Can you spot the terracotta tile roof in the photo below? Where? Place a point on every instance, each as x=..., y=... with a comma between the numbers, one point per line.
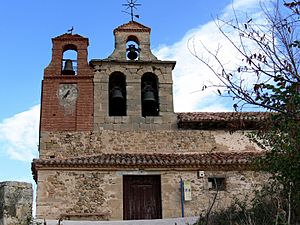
x=69, y=36
x=230, y=120
x=201, y=160
x=73, y=37
x=132, y=26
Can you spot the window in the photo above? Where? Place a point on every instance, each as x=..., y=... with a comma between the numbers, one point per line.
x=69, y=61
x=117, y=94
x=216, y=183
x=132, y=48
x=149, y=95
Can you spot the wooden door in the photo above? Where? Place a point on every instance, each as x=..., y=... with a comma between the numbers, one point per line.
x=141, y=197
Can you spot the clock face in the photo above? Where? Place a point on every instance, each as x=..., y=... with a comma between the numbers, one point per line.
x=67, y=94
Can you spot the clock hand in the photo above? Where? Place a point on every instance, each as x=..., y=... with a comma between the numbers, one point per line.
x=66, y=95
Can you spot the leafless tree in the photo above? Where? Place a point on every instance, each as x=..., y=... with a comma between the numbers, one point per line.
x=268, y=73
x=268, y=77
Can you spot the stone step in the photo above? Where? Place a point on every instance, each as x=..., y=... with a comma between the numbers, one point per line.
x=172, y=221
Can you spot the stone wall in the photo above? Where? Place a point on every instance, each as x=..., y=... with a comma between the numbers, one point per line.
x=15, y=202
x=133, y=71
x=95, y=193
x=78, y=144
x=100, y=193
x=239, y=184
x=140, y=32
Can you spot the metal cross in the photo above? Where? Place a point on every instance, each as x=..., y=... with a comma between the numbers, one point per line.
x=132, y=5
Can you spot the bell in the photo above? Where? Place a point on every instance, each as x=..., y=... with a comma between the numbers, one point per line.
x=117, y=94
x=132, y=52
x=68, y=68
x=149, y=97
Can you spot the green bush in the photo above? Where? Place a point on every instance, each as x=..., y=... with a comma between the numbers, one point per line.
x=269, y=207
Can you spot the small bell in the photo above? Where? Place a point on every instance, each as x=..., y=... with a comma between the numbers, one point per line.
x=132, y=52
x=68, y=68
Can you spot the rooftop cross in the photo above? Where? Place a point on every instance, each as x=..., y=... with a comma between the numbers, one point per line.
x=132, y=5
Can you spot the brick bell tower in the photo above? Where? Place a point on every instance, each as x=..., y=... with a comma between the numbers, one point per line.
x=67, y=87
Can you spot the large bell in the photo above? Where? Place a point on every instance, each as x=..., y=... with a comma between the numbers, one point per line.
x=116, y=94
x=132, y=52
x=68, y=68
x=149, y=95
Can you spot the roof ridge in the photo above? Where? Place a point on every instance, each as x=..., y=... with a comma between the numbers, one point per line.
x=217, y=160
x=67, y=35
x=215, y=153
x=132, y=25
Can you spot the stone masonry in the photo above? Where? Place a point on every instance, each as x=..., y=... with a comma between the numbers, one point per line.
x=15, y=203
x=133, y=121
x=92, y=163
x=99, y=194
x=74, y=144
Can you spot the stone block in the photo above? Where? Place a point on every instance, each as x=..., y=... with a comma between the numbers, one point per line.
x=109, y=119
x=145, y=126
x=149, y=119
x=157, y=120
x=15, y=202
x=125, y=119
x=117, y=119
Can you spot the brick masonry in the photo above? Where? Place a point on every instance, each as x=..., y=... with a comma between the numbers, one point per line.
x=56, y=116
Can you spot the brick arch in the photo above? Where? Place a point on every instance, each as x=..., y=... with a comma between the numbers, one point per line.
x=64, y=43
x=67, y=47
x=69, y=59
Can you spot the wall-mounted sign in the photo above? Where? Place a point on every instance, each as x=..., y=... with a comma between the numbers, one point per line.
x=187, y=191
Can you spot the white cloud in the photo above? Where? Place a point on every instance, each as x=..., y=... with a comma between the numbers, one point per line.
x=19, y=134
x=190, y=74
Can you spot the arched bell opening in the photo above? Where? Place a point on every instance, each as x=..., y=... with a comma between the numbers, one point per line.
x=149, y=95
x=117, y=94
x=69, y=60
x=132, y=48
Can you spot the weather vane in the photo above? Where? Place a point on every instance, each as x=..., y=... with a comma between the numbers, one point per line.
x=70, y=31
x=132, y=5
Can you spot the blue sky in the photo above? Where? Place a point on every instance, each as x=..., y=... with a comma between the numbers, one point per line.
x=25, y=50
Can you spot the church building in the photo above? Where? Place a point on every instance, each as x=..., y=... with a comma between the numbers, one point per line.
x=111, y=146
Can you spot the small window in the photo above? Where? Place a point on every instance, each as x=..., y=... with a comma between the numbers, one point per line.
x=149, y=95
x=216, y=183
x=132, y=48
x=69, y=61
x=117, y=94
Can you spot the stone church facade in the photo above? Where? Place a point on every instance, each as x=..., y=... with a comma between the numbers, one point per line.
x=112, y=147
